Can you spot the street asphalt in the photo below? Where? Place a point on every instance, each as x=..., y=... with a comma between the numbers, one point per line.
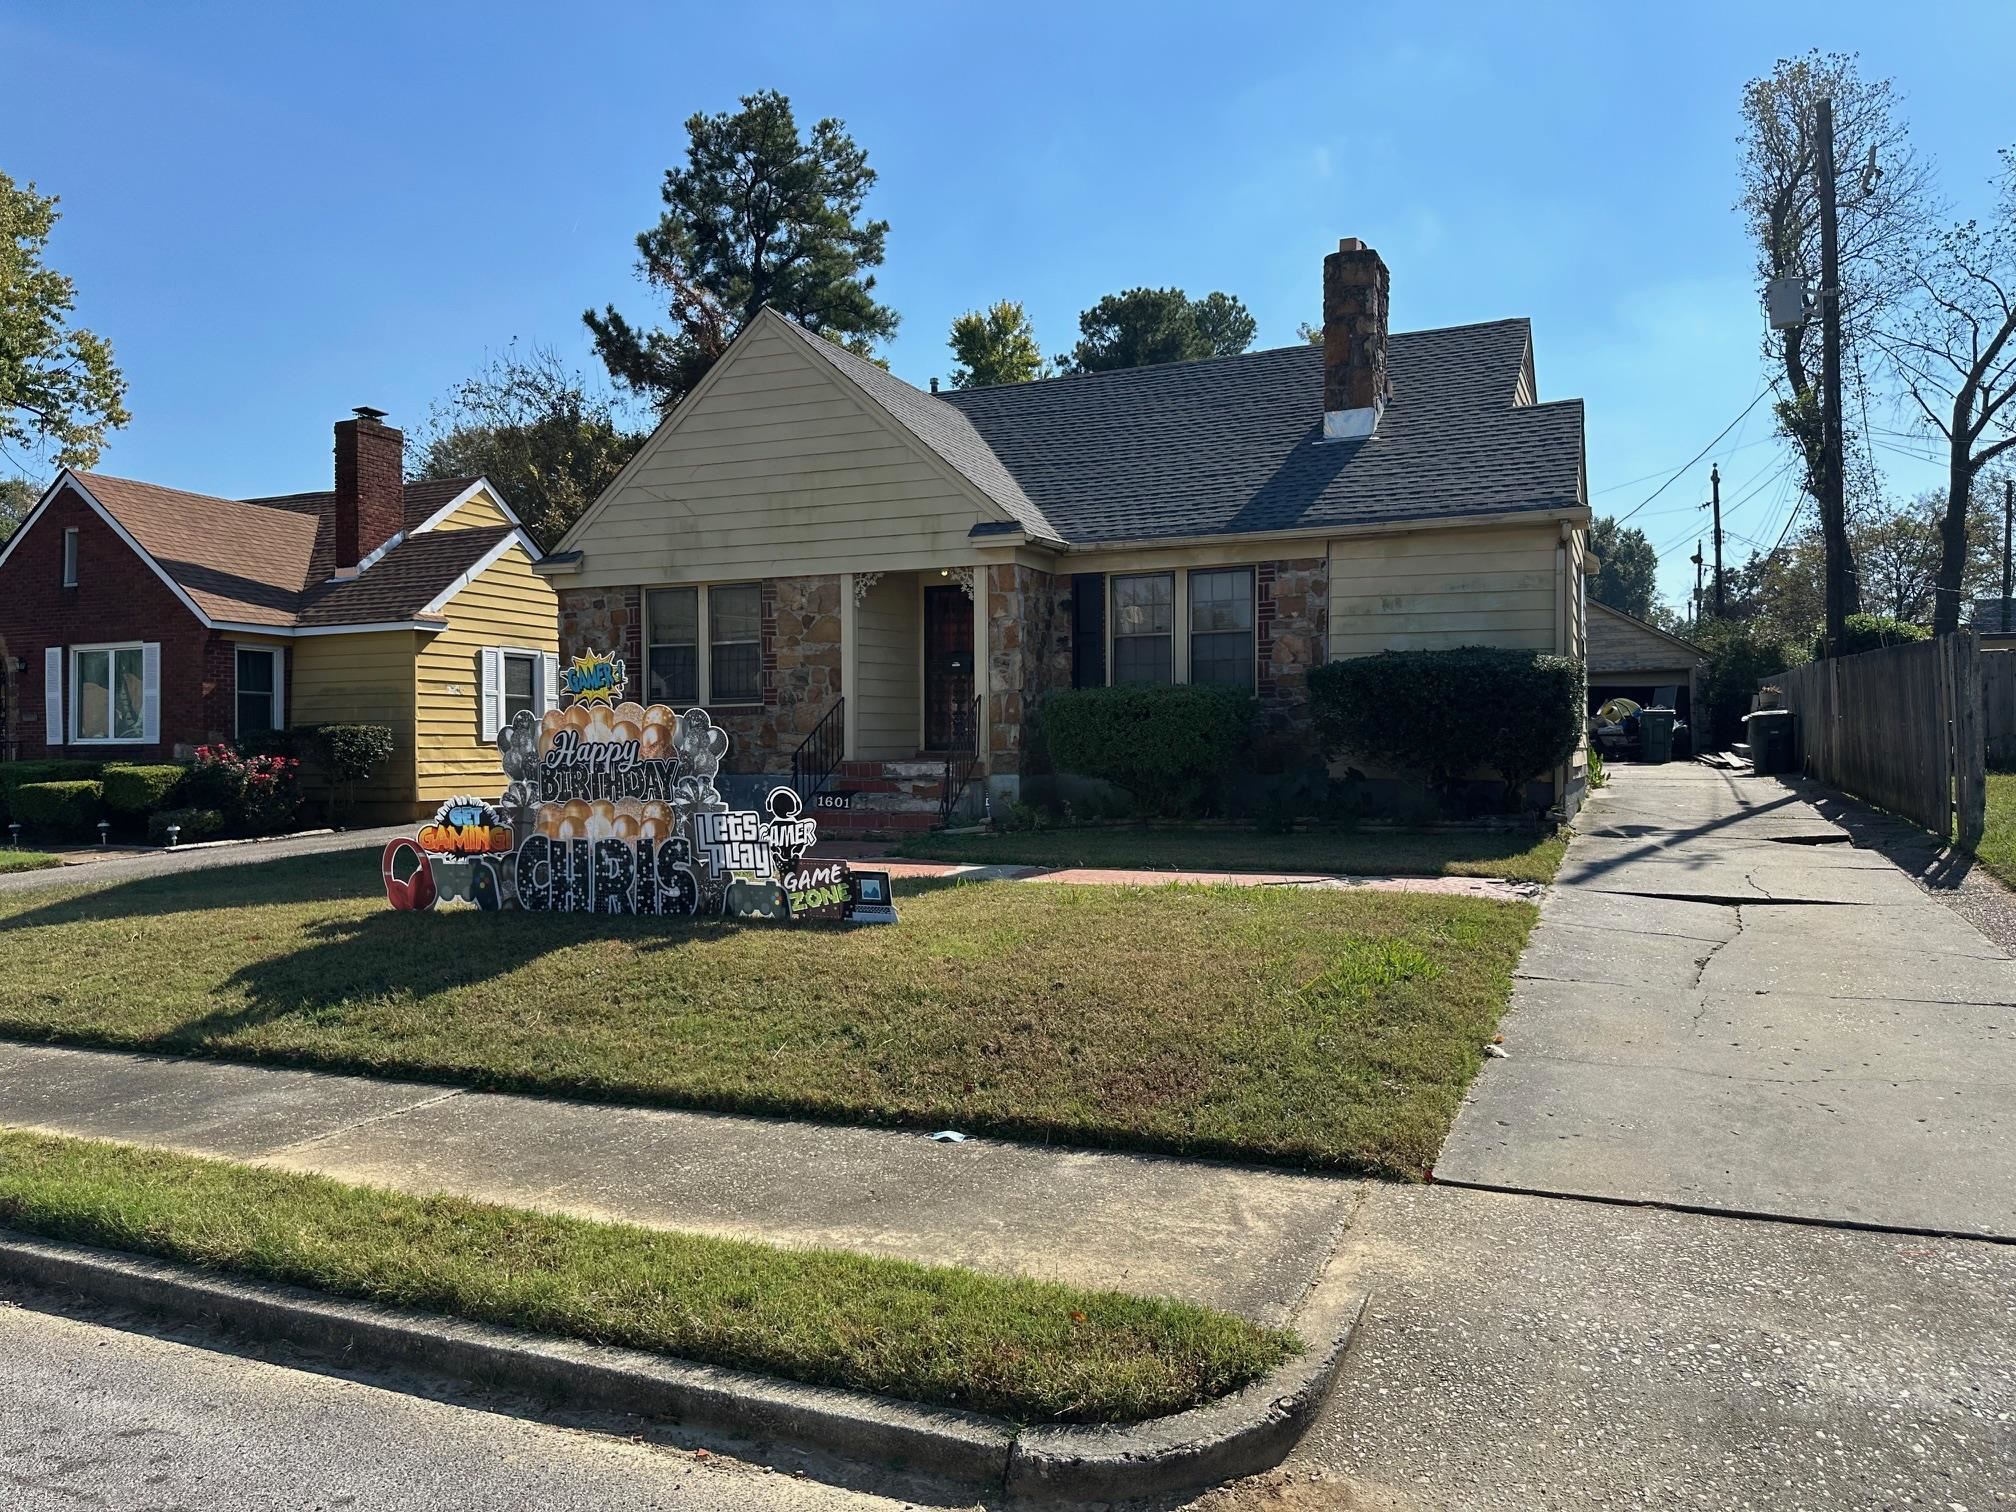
x=1727, y=1005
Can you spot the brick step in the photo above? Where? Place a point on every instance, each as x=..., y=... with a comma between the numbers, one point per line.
x=835, y=823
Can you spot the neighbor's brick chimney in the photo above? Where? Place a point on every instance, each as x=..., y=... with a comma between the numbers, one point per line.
x=1355, y=287
x=370, y=486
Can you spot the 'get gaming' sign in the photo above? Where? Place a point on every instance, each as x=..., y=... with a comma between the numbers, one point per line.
x=611, y=807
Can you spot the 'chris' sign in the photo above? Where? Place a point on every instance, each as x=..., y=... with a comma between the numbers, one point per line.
x=611, y=807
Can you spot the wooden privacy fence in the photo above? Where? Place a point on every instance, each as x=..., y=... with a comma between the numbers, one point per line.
x=1998, y=704
x=1901, y=727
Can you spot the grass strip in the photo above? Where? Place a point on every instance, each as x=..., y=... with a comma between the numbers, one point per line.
x=1323, y=1028
x=20, y=861
x=1997, y=850
x=1513, y=855
x=1031, y=1351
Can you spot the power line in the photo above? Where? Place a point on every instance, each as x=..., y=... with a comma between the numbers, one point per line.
x=1662, y=471
x=1696, y=457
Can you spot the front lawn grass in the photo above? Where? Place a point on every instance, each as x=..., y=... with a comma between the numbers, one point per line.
x=1327, y=1028
x=22, y=860
x=1514, y=855
x=1997, y=850
x=1033, y=1351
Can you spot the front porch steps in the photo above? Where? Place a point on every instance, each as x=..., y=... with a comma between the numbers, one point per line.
x=899, y=796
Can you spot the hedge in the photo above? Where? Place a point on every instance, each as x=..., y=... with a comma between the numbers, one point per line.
x=1871, y=632
x=62, y=808
x=195, y=824
x=1169, y=747
x=18, y=774
x=137, y=790
x=1446, y=713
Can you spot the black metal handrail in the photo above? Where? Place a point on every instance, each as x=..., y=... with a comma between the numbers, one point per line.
x=963, y=757
x=819, y=755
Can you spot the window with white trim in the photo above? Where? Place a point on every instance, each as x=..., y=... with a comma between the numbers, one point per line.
x=521, y=685
x=672, y=645
x=108, y=693
x=70, y=556
x=1144, y=626
x=734, y=643
x=258, y=695
x=1221, y=627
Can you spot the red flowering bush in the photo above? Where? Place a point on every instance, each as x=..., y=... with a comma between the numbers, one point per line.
x=258, y=795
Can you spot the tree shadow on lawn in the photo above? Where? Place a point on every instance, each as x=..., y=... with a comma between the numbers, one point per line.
x=340, y=876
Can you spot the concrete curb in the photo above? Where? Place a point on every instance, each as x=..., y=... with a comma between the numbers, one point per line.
x=1245, y=1433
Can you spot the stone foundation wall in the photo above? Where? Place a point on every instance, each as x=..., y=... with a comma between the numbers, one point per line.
x=1022, y=656
x=801, y=661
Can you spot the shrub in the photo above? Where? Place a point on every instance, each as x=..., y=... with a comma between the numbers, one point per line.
x=1740, y=658
x=1168, y=747
x=1871, y=632
x=258, y=795
x=1446, y=713
x=350, y=754
x=59, y=808
x=136, y=790
x=17, y=774
x=194, y=823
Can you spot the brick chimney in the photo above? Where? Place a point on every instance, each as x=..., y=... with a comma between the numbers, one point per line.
x=1355, y=287
x=370, y=487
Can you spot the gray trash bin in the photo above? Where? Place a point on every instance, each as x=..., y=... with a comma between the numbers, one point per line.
x=1771, y=744
x=1655, y=735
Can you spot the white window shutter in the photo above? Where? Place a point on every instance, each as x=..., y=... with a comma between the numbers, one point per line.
x=52, y=696
x=279, y=688
x=492, y=691
x=150, y=691
x=549, y=681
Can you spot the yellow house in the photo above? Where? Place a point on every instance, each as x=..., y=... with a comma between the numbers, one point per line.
x=139, y=622
x=873, y=588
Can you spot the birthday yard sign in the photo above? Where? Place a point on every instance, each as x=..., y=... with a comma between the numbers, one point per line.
x=611, y=807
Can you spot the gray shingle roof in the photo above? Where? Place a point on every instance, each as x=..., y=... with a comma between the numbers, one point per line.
x=1230, y=444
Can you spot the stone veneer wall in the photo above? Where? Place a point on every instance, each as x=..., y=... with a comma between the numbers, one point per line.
x=1022, y=652
x=801, y=661
x=1291, y=613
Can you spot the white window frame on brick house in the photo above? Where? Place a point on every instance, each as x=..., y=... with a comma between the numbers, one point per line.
x=70, y=537
x=1178, y=660
x=1251, y=630
x=704, y=643
x=149, y=653
x=278, y=695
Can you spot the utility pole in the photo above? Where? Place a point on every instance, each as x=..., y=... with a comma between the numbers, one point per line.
x=1696, y=559
x=1715, y=483
x=2008, y=519
x=1833, y=505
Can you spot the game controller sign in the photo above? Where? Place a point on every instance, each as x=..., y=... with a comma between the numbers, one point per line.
x=611, y=807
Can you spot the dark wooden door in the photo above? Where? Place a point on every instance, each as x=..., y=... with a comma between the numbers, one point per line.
x=948, y=669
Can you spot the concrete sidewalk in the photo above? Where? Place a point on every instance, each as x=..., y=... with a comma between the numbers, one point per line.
x=131, y=866
x=1728, y=1006
x=1252, y=1241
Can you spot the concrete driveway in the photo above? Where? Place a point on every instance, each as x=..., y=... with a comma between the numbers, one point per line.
x=1729, y=1006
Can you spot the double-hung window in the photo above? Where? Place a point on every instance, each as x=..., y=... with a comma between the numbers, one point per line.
x=672, y=655
x=521, y=684
x=108, y=693
x=258, y=689
x=1144, y=626
x=734, y=644
x=1221, y=627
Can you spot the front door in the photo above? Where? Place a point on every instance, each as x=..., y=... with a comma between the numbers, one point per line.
x=948, y=669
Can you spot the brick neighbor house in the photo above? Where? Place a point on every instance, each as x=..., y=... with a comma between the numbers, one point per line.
x=831, y=560
x=138, y=622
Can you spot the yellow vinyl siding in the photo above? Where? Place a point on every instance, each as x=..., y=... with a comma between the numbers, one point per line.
x=473, y=513
x=1493, y=586
x=888, y=659
x=508, y=605
x=776, y=467
x=361, y=679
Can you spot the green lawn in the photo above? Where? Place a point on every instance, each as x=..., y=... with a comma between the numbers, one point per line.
x=1027, y=1350
x=1997, y=850
x=25, y=860
x=1327, y=1028
x=1518, y=856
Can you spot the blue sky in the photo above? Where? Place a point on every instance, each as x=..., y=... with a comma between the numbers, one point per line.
x=278, y=211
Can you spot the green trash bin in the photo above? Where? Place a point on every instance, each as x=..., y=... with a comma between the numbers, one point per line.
x=1771, y=747
x=1655, y=735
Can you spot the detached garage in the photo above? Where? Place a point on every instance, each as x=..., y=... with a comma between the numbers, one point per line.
x=1634, y=660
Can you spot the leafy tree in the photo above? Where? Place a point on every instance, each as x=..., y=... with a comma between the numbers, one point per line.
x=1144, y=326
x=532, y=427
x=1954, y=350
x=1883, y=191
x=17, y=497
x=996, y=345
x=759, y=215
x=59, y=389
x=1627, y=570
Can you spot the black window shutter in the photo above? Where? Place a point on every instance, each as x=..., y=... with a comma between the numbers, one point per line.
x=1088, y=629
